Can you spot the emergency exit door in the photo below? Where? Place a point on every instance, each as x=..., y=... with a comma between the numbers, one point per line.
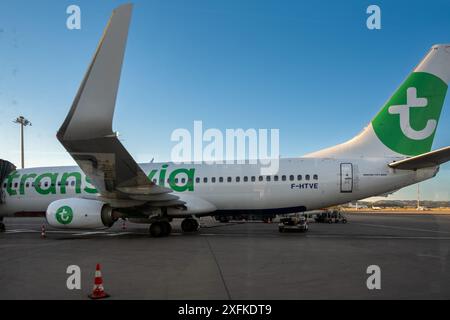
x=346, y=177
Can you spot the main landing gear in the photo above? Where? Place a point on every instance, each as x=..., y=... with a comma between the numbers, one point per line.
x=162, y=228
x=190, y=225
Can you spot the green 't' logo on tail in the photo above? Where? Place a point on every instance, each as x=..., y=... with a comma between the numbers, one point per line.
x=64, y=215
x=407, y=122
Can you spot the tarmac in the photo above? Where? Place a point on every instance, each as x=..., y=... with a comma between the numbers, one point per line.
x=233, y=260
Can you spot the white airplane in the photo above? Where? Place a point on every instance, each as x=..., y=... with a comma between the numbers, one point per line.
x=392, y=152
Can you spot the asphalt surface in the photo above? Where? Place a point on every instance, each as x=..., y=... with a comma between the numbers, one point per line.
x=233, y=261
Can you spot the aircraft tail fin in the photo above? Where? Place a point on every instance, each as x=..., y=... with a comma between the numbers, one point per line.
x=406, y=124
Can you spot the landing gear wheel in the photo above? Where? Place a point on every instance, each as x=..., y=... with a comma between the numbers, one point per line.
x=160, y=229
x=156, y=229
x=167, y=228
x=2, y=227
x=189, y=225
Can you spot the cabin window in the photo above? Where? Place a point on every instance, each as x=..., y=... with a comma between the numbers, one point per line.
x=229, y=179
x=197, y=180
x=72, y=183
x=15, y=185
x=253, y=178
x=213, y=179
x=283, y=178
x=316, y=177
x=238, y=179
x=245, y=179
x=307, y=177
x=221, y=179
x=299, y=177
x=261, y=178
x=183, y=180
x=27, y=184
x=205, y=180
x=291, y=177
x=4, y=185
x=268, y=178
x=154, y=181
x=59, y=183
x=275, y=178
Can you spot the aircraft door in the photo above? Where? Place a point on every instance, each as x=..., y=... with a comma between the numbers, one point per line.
x=346, y=177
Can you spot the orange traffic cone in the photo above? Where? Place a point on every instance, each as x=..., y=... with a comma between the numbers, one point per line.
x=98, y=291
x=43, y=232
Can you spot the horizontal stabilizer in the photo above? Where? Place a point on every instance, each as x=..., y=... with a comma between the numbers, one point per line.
x=429, y=159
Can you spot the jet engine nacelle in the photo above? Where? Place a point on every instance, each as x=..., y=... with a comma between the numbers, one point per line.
x=78, y=213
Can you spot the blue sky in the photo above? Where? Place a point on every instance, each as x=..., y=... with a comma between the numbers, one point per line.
x=311, y=69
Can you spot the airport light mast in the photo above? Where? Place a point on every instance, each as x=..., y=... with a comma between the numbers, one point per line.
x=23, y=123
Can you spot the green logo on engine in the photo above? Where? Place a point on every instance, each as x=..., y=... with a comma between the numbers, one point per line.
x=407, y=123
x=64, y=215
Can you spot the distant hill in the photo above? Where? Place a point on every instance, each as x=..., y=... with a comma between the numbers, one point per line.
x=405, y=204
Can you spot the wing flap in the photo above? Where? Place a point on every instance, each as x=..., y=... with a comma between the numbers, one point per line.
x=159, y=197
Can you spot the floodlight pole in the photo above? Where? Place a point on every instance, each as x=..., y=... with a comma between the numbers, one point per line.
x=23, y=123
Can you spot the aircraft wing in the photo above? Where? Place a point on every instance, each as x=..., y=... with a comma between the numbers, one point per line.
x=429, y=159
x=87, y=130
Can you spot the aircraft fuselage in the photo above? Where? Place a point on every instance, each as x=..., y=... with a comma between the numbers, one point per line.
x=300, y=184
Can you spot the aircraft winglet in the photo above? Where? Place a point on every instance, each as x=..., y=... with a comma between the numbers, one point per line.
x=92, y=111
